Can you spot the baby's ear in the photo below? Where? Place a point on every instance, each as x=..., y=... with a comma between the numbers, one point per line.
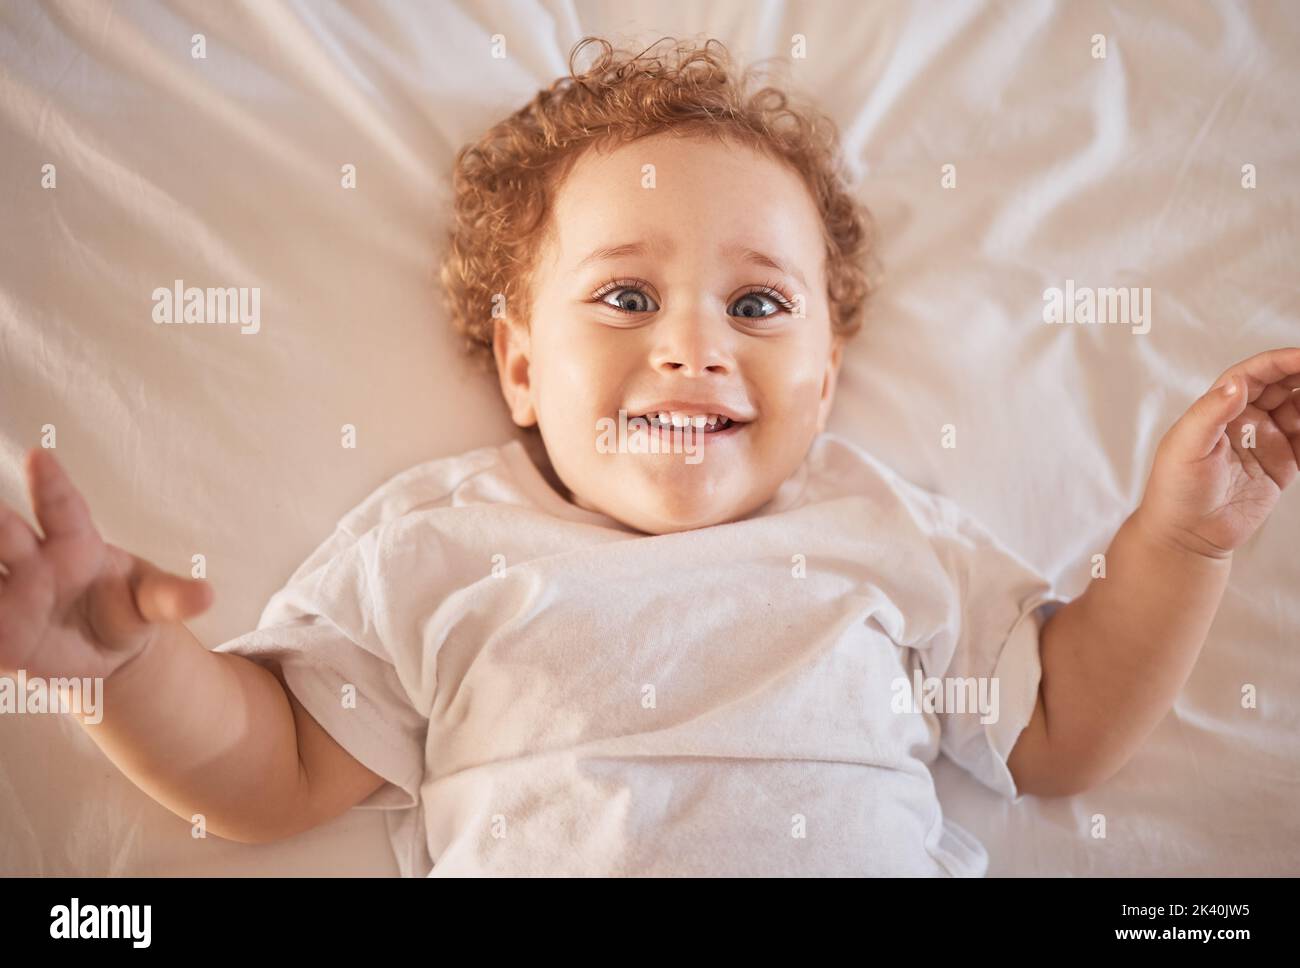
x=837, y=352
x=511, y=349
x=829, y=380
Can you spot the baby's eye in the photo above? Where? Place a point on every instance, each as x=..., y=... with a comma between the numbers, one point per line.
x=628, y=296
x=629, y=300
x=754, y=305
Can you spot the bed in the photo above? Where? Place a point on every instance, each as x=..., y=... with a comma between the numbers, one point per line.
x=1172, y=163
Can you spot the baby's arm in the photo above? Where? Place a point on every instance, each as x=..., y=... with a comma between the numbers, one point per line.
x=201, y=732
x=216, y=734
x=1115, y=658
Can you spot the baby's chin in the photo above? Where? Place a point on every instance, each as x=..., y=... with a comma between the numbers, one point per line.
x=670, y=521
x=672, y=499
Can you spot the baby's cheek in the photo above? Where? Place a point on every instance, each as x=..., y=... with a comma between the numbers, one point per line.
x=800, y=392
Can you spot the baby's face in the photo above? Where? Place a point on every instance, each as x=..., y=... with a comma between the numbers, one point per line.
x=654, y=292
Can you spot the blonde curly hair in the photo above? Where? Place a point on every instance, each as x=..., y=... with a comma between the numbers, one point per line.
x=505, y=183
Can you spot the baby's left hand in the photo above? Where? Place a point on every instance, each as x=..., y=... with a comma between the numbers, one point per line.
x=1212, y=486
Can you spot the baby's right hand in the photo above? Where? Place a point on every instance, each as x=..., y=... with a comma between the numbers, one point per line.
x=72, y=605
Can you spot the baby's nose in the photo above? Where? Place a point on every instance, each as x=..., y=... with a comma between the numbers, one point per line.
x=692, y=344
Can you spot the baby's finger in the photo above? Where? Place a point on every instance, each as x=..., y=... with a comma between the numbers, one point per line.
x=163, y=597
x=17, y=539
x=1286, y=417
x=1198, y=431
x=24, y=609
x=59, y=506
x=1263, y=369
x=1277, y=394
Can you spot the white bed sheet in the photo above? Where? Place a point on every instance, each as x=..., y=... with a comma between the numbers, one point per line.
x=225, y=171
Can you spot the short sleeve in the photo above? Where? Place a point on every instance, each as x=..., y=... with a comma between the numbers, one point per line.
x=321, y=631
x=987, y=658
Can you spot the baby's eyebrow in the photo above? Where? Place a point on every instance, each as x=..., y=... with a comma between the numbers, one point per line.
x=763, y=259
x=734, y=250
x=609, y=252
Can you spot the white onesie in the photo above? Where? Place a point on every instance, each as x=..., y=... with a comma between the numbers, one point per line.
x=547, y=691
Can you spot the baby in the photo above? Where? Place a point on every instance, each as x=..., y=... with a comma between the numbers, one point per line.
x=702, y=635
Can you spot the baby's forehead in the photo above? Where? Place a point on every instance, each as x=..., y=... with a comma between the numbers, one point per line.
x=692, y=198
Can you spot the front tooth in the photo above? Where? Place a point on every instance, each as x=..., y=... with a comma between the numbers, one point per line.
x=680, y=419
x=699, y=422
x=664, y=418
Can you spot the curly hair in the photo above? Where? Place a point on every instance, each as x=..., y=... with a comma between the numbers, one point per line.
x=504, y=185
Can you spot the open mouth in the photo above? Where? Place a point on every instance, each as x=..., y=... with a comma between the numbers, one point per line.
x=711, y=425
